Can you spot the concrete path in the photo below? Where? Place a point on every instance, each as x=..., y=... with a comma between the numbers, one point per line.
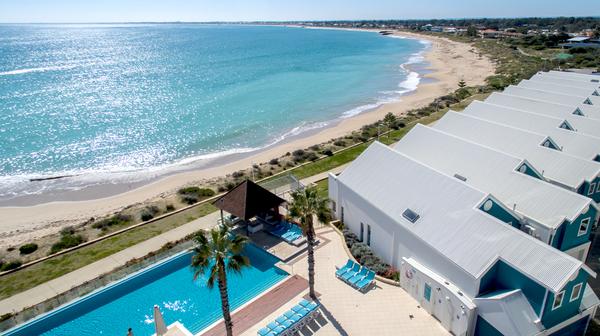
x=61, y=284
x=383, y=310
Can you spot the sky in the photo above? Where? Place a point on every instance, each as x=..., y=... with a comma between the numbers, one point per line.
x=13, y=11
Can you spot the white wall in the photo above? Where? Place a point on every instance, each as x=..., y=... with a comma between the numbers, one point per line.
x=391, y=241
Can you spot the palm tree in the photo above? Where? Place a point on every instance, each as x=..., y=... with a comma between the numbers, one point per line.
x=219, y=254
x=306, y=204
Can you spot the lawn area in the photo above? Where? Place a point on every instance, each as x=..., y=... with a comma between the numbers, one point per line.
x=32, y=276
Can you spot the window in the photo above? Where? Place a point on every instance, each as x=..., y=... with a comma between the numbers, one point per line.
x=588, y=102
x=592, y=188
x=583, y=227
x=575, y=293
x=342, y=215
x=333, y=206
x=598, y=189
x=362, y=231
x=558, y=299
x=427, y=292
x=410, y=215
x=368, y=235
x=578, y=112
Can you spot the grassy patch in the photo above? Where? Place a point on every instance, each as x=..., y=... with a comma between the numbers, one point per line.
x=53, y=268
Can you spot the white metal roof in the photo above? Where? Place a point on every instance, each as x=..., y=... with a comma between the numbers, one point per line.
x=574, y=75
x=509, y=312
x=555, y=165
x=531, y=121
x=555, y=97
x=449, y=222
x=549, y=78
x=559, y=88
x=542, y=107
x=493, y=172
x=573, y=143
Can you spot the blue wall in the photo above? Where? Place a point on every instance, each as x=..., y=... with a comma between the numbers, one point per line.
x=585, y=189
x=500, y=213
x=529, y=171
x=567, y=309
x=566, y=237
x=483, y=328
x=503, y=276
x=575, y=328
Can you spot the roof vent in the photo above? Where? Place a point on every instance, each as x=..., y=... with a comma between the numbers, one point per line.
x=460, y=177
x=410, y=215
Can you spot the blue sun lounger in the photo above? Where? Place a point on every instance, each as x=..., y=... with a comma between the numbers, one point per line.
x=352, y=272
x=358, y=277
x=292, y=320
x=344, y=268
x=363, y=284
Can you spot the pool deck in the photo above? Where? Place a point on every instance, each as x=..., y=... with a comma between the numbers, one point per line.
x=382, y=310
x=61, y=284
x=248, y=316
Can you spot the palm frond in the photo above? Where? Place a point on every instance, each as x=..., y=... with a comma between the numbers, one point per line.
x=237, y=262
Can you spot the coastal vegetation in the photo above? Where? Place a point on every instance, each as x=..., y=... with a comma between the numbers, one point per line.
x=307, y=205
x=214, y=256
x=191, y=195
x=511, y=66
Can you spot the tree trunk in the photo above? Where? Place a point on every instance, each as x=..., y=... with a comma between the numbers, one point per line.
x=310, y=242
x=225, y=299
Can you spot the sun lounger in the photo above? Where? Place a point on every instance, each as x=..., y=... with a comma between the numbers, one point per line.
x=354, y=271
x=292, y=320
x=344, y=268
x=363, y=284
x=361, y=275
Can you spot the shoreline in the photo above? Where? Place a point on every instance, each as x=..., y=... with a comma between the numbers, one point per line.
x=448, y=62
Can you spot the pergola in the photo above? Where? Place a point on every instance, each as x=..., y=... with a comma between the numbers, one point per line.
x=247, y=200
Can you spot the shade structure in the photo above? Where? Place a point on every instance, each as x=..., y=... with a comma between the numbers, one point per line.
x=159, y=322
x=247, y=200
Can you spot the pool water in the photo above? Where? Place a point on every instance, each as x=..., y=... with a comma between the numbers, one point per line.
x=129, y=303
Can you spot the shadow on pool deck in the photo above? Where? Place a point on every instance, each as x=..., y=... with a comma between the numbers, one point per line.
x=256, y=311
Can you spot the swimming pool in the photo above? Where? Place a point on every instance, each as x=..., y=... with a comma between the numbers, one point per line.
x=129, y=303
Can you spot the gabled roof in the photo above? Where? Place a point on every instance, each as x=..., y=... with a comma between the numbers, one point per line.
x=559, y=88
x=573, y=143
x=555, y=165
x=549, y=78
x=551, y=96
x=575, y=76
x=247, y=200
x=493, y=172
x=450, y=222
x=542, y=107
x=536, y=122
x=509, y=312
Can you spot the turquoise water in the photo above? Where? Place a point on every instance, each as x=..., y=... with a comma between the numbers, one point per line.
x=129, y=304
x=96, y=100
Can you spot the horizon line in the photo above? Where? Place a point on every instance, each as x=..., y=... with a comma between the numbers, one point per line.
x=301, y=21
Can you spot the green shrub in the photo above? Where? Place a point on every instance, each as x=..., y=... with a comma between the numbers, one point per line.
x=67, y=241
x=274, y=162
x=328, y=152
x=339, y=143
x=105, y=224
x=312, y=156
x=365, y=256
x=191, y=195
x=67, y=230
x=11, y=265
x=28, y=248
x=170, y=207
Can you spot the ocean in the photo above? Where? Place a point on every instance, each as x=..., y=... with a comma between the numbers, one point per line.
x=106, y=103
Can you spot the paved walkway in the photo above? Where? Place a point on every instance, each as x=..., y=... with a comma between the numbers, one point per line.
x=61, y=284
x=383, y=310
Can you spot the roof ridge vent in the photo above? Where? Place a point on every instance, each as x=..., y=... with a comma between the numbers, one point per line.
x=410, y=215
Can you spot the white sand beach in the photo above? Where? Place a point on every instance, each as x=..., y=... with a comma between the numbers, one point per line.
x=450, y=62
